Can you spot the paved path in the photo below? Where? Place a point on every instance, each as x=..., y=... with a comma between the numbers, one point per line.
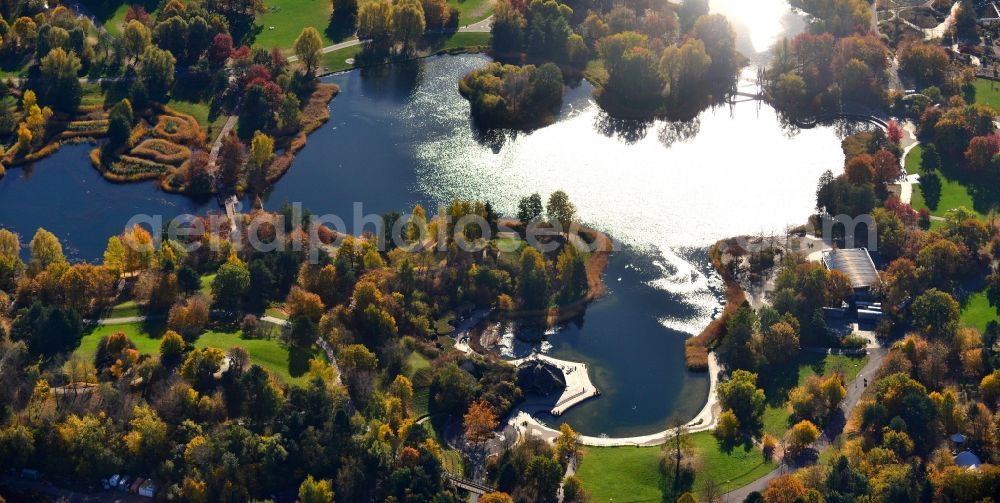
x=855, y=390
x=524, y=422
x=213, y=154
x=331, y=355
x=578, y=385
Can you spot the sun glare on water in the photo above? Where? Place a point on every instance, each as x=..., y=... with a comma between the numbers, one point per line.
x=763, y=20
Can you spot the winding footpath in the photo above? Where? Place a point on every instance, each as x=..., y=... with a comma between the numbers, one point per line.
x=523, y=420
x=855, y=390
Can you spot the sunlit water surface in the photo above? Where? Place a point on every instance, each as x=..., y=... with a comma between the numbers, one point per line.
x=664, y=191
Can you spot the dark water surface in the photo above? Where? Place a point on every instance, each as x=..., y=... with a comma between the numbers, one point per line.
x=402, y=135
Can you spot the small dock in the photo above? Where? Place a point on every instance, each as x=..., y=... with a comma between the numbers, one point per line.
x=578, y=384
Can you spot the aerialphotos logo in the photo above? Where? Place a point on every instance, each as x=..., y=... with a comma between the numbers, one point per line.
x=470, y=233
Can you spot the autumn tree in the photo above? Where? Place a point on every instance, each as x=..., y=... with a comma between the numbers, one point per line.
x=171, y=348
x=374, y=21
x=408, y=23
x=307, y=47
x=315, y=491
x=741, y=395
x=801, y=436
x=479, y=421
x=45, y=250
x=230, y=284
x=230, y=163
x=259, y=161
x=936, y=314
x=156, y=71
x=560, y=209
x=784, y=489
x=135, y=38
x=62, y=85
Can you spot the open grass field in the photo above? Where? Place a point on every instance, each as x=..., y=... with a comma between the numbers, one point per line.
x=124, y=310
x=988, y=93
x=206, y=285
x=632, y=474
x=289, y=366
x=285, y=19
x=472, y=11
x=144, y=342
x=452, y=458
x=336, y=61
x=977, y=311
x=777, y=384
x=202, y=113
x=953, y=193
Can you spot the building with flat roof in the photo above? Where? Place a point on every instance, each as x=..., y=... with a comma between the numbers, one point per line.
x=856, y=264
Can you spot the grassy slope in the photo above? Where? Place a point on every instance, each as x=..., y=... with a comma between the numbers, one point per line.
x=144, y=342
x=988, y=93
x=289, y=366
x=201, y=112
x=953, y=193
x=270, y=354
x=631, y=474
x=977, y=311
x=776, y=413
x=471, y=11
x=288, y=18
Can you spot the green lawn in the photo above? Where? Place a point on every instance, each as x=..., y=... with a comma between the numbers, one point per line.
x=275, y=311
x=336, y=61
x=289, y=366
x=285, y=19
x=452, y=458
x=953, y=192
x=988, y=93
x=421, y=401
x=202, y=113
x=977, y=311
x=632, y=474
x=144, y=342
x=124, y=310
x=472, y=11
x=206, y=285
x=466, y=39
x=443, y=325
x=417, y=361
x=777, y=384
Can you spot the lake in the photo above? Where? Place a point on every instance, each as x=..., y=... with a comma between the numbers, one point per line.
x=401, y=135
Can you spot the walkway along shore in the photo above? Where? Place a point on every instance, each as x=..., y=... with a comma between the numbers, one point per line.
x=525, y=424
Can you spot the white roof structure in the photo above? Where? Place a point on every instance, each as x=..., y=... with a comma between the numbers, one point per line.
x=856, y=263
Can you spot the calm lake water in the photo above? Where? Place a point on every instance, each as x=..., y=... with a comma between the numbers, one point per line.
x=402, y=135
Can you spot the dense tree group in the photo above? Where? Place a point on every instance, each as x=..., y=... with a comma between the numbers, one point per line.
x=213, y=424
x=504, y=95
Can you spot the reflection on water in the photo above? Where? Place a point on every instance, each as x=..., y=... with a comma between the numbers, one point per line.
x=401, y=134
x=67, y=196
x=759, y=24
x=663, y=190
